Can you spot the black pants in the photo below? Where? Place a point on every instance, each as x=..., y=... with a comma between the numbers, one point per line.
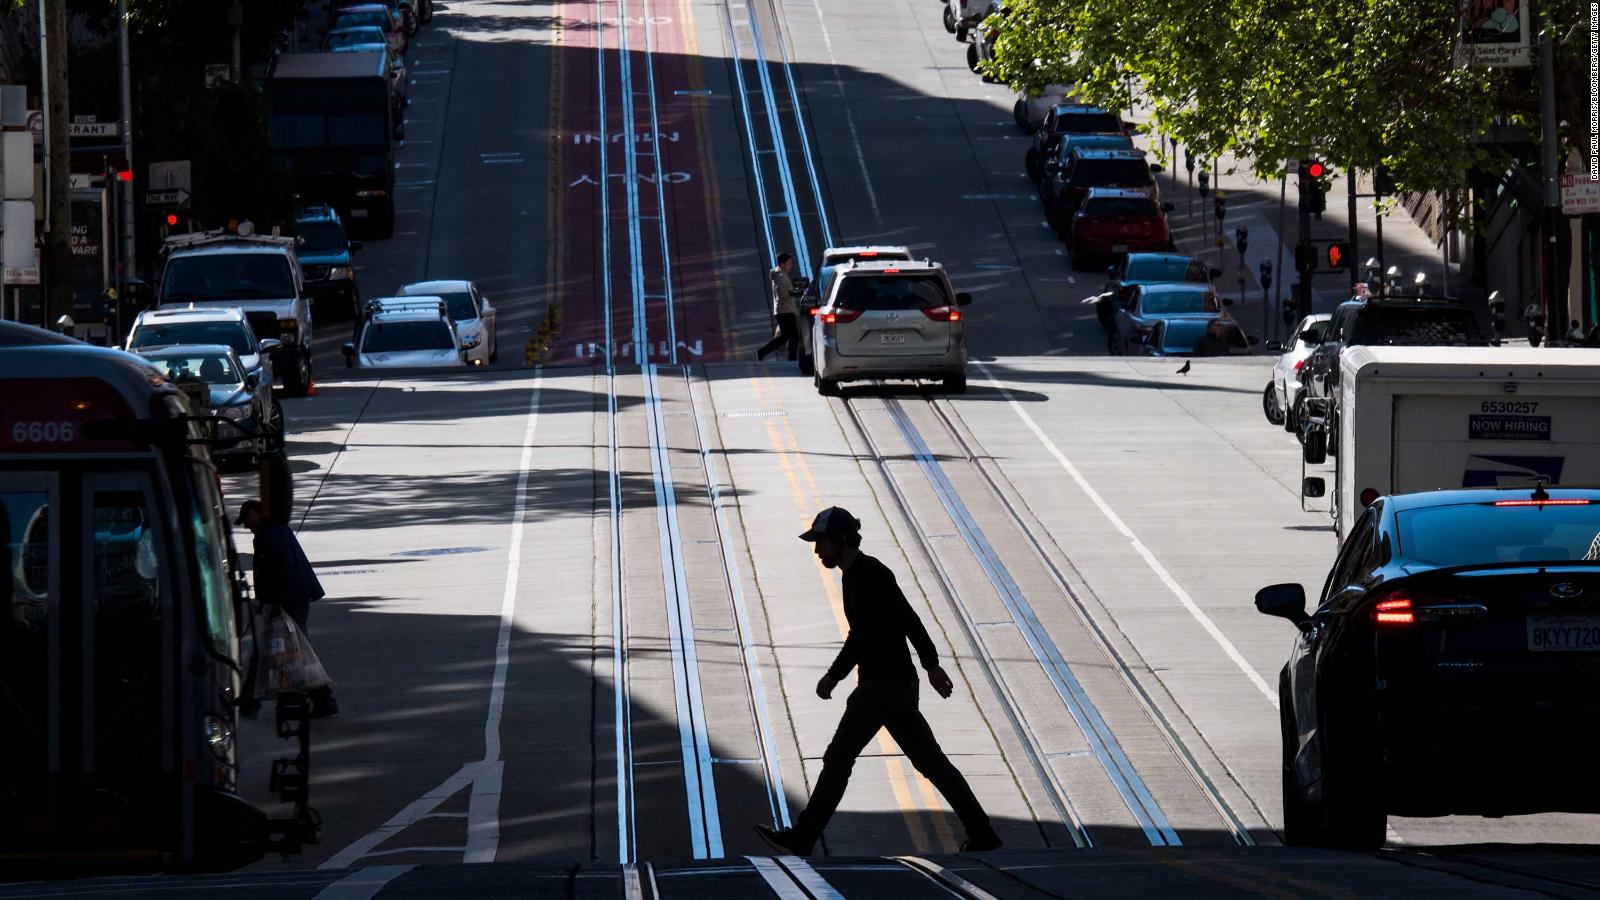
x=788, y=333
x=892, y=705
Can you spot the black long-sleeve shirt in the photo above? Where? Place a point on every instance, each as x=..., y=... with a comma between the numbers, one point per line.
x=881, y=621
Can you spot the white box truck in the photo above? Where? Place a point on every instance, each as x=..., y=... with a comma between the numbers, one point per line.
x=1429, y=418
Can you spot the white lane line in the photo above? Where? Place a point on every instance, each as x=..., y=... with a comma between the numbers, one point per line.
x=484, y=778
x=809, y=879
x=776, y=878
x=849, y=115
x=483, y=811
x=1139, y=547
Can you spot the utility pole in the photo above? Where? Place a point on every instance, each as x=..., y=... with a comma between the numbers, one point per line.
x=1555, y=306
x=58, y=136
x=125, y=269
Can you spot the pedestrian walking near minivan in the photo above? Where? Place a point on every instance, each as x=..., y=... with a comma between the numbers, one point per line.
x=881, y=622
x=784, y=311
x=284, y=578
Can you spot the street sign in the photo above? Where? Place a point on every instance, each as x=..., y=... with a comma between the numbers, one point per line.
x=167, y=198
x=28, y=275
x=93, y=129
x=1579, y=196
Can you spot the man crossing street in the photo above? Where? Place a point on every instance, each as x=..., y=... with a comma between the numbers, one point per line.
x=784, y=311
x=881, y=622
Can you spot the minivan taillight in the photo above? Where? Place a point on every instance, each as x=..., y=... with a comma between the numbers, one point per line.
x=840, y=315
x=1394, y=611
x=943, y=314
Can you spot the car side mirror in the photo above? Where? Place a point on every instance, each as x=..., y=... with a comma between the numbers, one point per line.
x=252, y=380
x=1313, y=486
x=1168, y=206
x=349, y=351
x=1156, y=168
x=963, y=298
x=801, y=284
x=1286, y=601
x=354, y=246
x=1274, y=346
x=270, y=345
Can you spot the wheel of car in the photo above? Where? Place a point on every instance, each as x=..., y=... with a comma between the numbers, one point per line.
x=1298, y=416
x=1331, y=437
x=494, y=345
x=949, y=20
x=955, y=383
x=1019, y=114
x=1269, y=404
x=1352, y=811
x=1315, y=448
x=827, y=387
x=972, y=57
x=1302, y=819
x=1031, y=163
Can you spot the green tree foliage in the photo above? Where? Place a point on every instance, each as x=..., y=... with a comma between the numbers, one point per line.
x=1359, y=82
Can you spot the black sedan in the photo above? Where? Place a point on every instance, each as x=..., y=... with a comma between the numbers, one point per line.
x=1452, y=665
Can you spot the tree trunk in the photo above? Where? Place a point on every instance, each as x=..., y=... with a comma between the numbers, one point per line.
x=58, y=240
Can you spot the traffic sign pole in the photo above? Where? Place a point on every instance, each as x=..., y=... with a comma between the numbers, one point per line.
x=1350, y=183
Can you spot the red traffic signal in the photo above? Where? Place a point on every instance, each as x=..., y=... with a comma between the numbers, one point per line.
x=1338, y=255
x=172, y=219
x=1315, y=168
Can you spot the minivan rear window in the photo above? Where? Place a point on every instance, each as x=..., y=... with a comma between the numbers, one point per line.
x=873, y=292
x=1088, y=123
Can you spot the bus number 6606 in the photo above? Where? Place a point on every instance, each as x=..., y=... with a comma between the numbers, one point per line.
x=43, y=432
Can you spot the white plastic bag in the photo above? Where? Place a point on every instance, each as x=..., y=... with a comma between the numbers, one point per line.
x=287, y=663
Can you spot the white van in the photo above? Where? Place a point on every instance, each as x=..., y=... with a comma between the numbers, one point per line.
x=1431, y=418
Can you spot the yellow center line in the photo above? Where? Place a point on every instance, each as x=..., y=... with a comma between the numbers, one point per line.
x=899, y=779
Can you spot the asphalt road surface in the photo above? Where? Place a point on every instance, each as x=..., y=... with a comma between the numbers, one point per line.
x=573, y=632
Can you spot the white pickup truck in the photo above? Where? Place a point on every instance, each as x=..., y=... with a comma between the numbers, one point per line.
x=1430, y=418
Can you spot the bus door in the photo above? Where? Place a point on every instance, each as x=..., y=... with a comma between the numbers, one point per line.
x=87, y=665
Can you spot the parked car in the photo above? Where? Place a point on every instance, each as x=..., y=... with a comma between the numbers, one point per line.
x=1146, y=268
x=1087, y=168
x=981, y=50
x=1451, y=623
x=154, y=328
x=1069, y=118
x=376, y=15
x=1113, y=221
x=1292, y=355
x=1186, y=308
x=325, y=259
x=408, y=332
x=241, y=397
x=890, y=320
x=960, y=15
x=470, y=311
x=1393, y=321
x=1032, y=106
x=1218, y=335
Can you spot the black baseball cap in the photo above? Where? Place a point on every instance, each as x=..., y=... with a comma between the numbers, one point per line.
x=833, y=522
x=246, y=507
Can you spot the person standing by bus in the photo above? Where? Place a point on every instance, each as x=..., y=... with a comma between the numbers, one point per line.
x=881, y=622
x=284, y=578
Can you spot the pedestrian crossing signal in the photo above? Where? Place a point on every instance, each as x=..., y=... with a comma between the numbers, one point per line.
x=1338, y=256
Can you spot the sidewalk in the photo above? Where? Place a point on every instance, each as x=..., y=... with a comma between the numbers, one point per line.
x=1255, y=204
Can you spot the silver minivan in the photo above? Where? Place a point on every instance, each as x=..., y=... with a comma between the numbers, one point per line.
x=890, y=320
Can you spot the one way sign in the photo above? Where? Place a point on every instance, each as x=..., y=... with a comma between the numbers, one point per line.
x=167, y=198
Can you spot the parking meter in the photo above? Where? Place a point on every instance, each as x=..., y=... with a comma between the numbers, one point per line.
x=1205, y=184
x=1221, y=206
x=1266, y=275
x=1188, y=160
x=1241, y=235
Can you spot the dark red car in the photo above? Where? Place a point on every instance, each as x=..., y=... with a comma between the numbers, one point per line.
x=1116, y=221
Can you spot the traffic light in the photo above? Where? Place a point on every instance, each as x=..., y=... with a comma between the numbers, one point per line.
x=1383, y=181
x=172, y=219
x=1314, y=177
x=1337, y=256
x=1305, y=257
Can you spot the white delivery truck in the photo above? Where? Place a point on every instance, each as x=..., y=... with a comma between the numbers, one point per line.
x=1430, y=418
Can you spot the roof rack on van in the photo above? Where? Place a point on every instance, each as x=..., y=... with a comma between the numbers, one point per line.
x=224, y=236
x=406, y=304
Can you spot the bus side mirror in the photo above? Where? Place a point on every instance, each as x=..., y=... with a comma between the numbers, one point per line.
x=1313, y=486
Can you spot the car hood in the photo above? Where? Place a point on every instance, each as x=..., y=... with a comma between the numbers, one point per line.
x=228, y=395
x=403, y=358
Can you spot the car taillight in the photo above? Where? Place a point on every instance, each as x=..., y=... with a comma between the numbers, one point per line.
x=1394, y=611
x=943, y=314
x=840, y=315
x=1298, y=365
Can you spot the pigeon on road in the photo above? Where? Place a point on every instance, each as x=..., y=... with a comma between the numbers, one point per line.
x=1185, y=369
